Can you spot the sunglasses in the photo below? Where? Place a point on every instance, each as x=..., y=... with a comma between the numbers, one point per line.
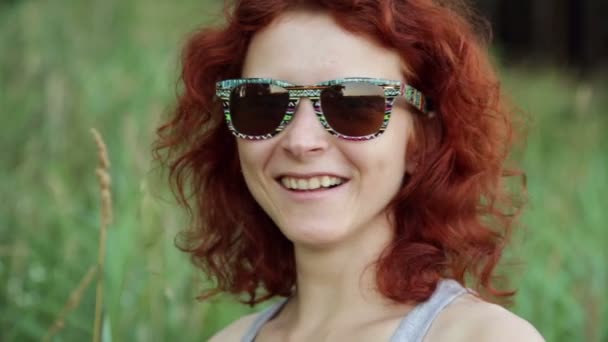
x=349, y=108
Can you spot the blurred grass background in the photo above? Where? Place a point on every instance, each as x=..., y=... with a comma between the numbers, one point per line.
x=69, y=65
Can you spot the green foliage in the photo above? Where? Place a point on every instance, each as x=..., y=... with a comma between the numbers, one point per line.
x=563, y=245
x=69, y=65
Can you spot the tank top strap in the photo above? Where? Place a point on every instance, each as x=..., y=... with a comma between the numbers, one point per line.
x=412, y=328
x=261, y=319
x=417, y=322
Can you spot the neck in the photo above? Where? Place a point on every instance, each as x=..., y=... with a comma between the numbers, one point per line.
x=336, y=285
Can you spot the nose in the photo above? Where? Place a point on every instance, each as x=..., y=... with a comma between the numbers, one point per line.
x=305, y=136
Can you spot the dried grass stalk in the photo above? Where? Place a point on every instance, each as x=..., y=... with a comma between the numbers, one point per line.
x=103, y=176
x=72, y=303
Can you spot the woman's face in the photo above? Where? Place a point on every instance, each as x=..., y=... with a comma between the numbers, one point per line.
x=306, y=48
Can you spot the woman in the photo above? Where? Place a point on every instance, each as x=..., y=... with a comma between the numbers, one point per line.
x=348, y=156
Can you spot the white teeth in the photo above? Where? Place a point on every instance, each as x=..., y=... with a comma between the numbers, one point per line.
x=325, y=182
x=312, y=183
x=302, y=184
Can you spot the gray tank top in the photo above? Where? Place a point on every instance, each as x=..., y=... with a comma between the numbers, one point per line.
x=412, y=328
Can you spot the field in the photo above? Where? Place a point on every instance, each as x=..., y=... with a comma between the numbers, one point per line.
x=67, y=66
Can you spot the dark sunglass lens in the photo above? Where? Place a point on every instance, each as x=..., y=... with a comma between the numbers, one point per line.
x=354, y=108
x=258, y=109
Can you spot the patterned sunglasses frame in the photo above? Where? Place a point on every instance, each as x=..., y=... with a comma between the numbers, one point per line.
x=392, y=89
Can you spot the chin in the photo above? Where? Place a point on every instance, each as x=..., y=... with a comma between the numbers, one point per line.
x=315, y=234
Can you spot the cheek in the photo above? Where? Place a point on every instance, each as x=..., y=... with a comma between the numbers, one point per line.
x=388, y=156
x=246, y=155
x=253, y=156
x=378, y=162
x=400, y=133
x=249, y=169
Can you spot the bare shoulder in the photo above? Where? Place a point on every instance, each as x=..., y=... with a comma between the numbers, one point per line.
x=235, y=330
x=495, y=323
x=469, y=318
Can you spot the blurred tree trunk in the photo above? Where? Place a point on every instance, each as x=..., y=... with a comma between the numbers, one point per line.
x=567, y=32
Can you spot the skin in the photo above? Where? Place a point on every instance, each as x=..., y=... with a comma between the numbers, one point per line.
x=339, y=233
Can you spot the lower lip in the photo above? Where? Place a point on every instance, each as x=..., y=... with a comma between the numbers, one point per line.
x=307, y=195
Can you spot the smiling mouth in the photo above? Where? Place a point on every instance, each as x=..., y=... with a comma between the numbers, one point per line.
x=312, y=183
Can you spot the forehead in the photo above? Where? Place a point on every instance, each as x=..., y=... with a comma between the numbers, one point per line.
x=307, y=47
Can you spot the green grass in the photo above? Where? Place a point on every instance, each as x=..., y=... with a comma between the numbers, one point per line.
x=563, y=244
x=67, y=66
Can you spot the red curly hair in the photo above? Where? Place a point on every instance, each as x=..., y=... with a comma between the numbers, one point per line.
x=453, y=216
